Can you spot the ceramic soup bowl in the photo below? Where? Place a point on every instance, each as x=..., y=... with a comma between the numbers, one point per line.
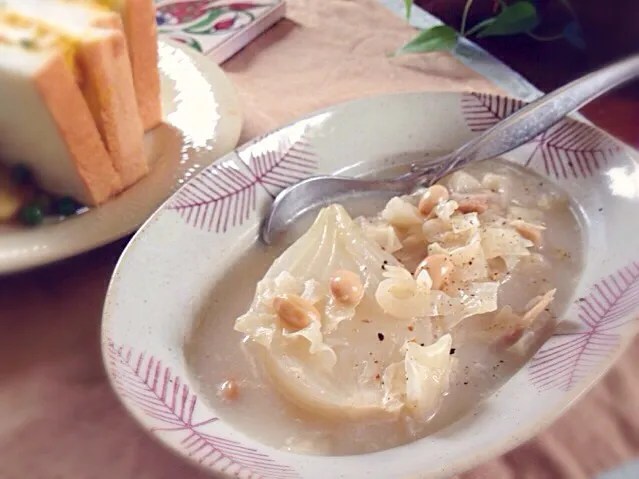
x=162, y=290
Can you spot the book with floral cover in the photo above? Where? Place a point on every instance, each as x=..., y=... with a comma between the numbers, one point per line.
x=216, y=28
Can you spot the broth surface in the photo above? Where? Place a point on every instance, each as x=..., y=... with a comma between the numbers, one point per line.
x=216, y=353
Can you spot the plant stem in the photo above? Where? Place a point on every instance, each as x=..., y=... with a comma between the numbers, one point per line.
x=568, y=6
x=479, y=26
x=542, y=38
x=467, y=6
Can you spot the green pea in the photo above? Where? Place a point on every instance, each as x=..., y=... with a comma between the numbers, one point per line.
x=44, y=202
x=21, y=175
x=30, y=215
x=27, y=43
x=66, y=206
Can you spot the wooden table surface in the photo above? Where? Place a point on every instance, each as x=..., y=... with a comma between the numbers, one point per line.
x=60, y=419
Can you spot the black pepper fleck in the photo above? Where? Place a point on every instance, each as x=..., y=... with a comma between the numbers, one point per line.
x=452, y=350
x=465, y=383
x=380, y=336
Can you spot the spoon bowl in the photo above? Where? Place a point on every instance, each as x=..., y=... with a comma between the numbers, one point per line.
x=513, y=131
x=318, y=191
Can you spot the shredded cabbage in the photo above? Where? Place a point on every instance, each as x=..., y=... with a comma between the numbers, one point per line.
x=462, y=182
x=382, y=233
x=330, y=367
x=262, y=325
x=502, y=242
x=404, y=297
x=469, y=259
x=496, y=183
x=419, y=382
x=399, y=212
x=436, y=229
x=445, y=209
x=380, y=356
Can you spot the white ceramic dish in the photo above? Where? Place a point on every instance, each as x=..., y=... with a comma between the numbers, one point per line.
x=161, y=289
x=202, y=121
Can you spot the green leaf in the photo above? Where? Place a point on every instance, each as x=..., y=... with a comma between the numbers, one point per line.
x=408, y=6
x=520, y=17
x=187, y=40
x=202, y=25
x=440, y=37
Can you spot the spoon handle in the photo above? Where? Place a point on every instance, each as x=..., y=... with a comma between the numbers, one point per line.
x=533, y=119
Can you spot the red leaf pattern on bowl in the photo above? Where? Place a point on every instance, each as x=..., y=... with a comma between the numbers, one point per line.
x=568, y=149
x=287, y=159
x=219, y=197
x=223, y=195
x=482, y=111
x=567, y=358
x=167, y=400
x=573, y=149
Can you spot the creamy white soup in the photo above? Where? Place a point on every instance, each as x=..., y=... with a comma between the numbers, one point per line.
x=370, y=332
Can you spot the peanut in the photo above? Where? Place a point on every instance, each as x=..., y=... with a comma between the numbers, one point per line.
x=346, y=287
x=433, y=196
x=528, y=231
x=439, y=268
x=472, y=204
x=229, y=390
x=294, y=311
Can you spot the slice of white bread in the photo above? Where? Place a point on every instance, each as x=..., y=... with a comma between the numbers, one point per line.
x=45, y=124
x=107, y=86
x=103, y=71
x=137, y=19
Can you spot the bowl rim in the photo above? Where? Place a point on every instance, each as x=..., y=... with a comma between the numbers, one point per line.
x=524, y=432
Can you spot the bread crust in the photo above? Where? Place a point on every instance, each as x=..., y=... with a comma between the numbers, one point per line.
x=138, y=19
x=58, y=88
x=107, y=85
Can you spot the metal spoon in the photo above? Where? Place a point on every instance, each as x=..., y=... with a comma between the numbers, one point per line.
x=510, y=133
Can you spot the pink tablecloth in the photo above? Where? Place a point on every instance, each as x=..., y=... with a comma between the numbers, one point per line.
x=60, y=419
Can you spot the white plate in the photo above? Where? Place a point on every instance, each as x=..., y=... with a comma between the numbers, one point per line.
x=202, y=121
x=161, y=291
